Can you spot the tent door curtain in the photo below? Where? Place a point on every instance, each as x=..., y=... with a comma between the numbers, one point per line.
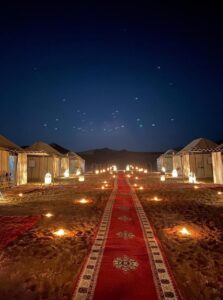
x=12, y=168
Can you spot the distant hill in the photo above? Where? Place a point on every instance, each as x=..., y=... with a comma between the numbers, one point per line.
x=119, y=157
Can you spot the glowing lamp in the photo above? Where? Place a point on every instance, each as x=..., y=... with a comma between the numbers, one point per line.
x=20, y=194
x=127, y=168
x=48, y=215
x=102, y=187
x=59, y=232
x=192, y=178
x=97, y=172
x=219, y=193
x=145, y=171
x=105, y=182
x=113, y=176
x=174, y=173
x=48, y=178
x=163, y=169
x=196, y=187
x=115, y=168
x=162, y=178
x=78, y=172
x=184, y=231
x=136, y=178
x=156, y=199
x=141, y=188
x=66, y=173
x=81, y=178
x=128, y=176
x=135, y=185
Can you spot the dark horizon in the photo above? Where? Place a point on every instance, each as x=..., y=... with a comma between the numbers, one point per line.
x=137, y=76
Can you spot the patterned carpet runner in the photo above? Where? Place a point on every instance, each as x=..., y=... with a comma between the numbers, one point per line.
x=125, y=261
x=13, y=226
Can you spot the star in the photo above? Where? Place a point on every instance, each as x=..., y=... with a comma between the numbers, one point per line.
x=44, y=125
x=172, y=119
x=123, y=126
x=153, y=125
x=63, y=100
x=141, y=125
x=158, y=67
x=138, y=119
x=57, y=119
x=136, y=98
x=55, y=128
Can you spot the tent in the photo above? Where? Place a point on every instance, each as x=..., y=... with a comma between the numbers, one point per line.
x=42, y=159
x=195, y=158
x=166, y=160
x=13, y=163
x=75, y=162
x=217, y=161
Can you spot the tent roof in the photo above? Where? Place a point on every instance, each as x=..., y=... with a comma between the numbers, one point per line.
x=42, y=147
x=170, y=152
x=199, y=145
x=65, y=151
x=6, y=144
x=219, y=148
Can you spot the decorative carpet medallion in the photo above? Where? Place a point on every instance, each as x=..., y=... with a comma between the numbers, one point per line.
x=125, y=235
x=124, y=208
x=125, y=263
x=124, y=219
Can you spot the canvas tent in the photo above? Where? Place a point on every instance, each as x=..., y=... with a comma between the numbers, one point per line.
x=75, y=162
x=166, y=160
x=13, y=163
x=42, y=159
x=195, y=158
x=217, y=161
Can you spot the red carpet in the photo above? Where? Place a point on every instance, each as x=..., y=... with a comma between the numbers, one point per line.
x=11, y=227
x=125, y=261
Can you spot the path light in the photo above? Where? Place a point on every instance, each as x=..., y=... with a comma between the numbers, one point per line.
x=127, y=168
x=105, y=182
x=135, y=185
x=219, y=193
x=136, y=177
x=81, y=178
x=115, y=168
x=102, y=187
x=97, y=172
x=48, y=215
x=48, y=178
x=59, y=232
x=141, y=188
x=184, y=231
x=163, y=169
x=128, y=176
x=20, y=194
x=145, y=171
x=174, y=173
x=162, y=178
x=66, y=173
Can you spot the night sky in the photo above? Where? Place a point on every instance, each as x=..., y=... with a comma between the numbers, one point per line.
x=125, y=76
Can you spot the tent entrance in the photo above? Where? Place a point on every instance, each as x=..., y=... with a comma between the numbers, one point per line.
x=12, y=168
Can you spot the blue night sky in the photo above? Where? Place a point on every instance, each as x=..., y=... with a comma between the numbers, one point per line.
x=90, y=75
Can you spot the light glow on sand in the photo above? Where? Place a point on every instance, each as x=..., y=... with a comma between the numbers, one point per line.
x=59, y=232
x=81, y=178
x=162, y=178
x=48, y=215
x=184, y=231
x=83, y=201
